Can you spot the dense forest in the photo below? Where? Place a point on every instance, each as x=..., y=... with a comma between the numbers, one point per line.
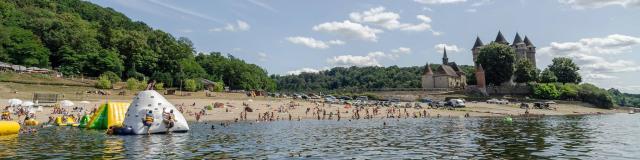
x=625, y=99
x=359, y=78
x=80, y=38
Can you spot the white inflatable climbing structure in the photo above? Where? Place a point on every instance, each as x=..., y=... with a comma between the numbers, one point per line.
x=151, y=100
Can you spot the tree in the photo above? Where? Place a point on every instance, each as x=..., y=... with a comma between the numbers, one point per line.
x=547, y=76
x=497, y=60
x=190, y=85
x=565, y=70
x=525, y=72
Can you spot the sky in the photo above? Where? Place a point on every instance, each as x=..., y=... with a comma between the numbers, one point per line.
x=293, y=36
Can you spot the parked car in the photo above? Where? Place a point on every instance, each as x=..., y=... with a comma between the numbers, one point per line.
x=456, y=103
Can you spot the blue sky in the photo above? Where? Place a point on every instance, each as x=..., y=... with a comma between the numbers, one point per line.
x=289, y=36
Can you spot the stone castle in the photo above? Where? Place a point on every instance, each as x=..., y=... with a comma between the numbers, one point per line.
x=449, y=77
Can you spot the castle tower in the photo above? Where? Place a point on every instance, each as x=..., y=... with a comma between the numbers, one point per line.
x=480, y=79
x=531, y=51
x=500, y=39
x=445, y=59
x=427, y=77
x=476, y=50
x=520, y=47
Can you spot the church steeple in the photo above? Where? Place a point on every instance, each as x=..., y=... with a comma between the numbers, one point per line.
x=445, y=59
x=500, y=39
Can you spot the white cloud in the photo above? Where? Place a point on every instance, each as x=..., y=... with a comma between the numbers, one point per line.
x=239, y=26
x=303, y=70
x=423, y=18
x=401, y=50
x=349, y=29
x=451, y=48
x=594, y=56
x=371, y=59
x=471, y=10
x=336, y=42
x=390, y=20
x=597, y=76
x=439, y=1
x=313, y=43
x=262, y=56
x=583, y=4
x=309, y=42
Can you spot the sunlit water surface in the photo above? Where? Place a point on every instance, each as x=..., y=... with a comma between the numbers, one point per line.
x=557, y=137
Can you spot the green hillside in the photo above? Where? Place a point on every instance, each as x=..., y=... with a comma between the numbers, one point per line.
x=77, y=37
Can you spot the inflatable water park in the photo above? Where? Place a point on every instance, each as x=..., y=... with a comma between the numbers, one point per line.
x=148, y=113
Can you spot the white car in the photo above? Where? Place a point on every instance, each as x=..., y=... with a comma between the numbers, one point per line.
x=456, y=103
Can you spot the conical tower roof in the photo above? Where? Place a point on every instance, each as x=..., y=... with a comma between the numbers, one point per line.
x=427, y=69
x=528, y=42
x=500, y=38
x=517, y=39
x=478, y=42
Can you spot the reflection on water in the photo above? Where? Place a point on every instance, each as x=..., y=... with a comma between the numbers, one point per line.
x=582, y=137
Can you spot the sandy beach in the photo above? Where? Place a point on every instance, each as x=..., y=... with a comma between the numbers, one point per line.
x=282, y=108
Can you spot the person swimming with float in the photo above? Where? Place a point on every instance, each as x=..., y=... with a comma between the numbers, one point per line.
x=148, y=121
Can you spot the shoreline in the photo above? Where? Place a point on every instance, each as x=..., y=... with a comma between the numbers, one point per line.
x=282, y=108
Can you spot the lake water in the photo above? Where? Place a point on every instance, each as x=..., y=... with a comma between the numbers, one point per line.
x=556, y=137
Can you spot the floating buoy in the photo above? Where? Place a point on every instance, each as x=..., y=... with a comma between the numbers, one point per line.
x=31, y=122
x=9, y=128
x=508, y=119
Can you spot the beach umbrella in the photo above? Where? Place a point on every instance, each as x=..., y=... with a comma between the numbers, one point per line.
x=27, y=104
x=66, y=103
x=15, y=102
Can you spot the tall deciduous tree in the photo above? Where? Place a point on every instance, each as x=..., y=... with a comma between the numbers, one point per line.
x=565, y=70
x=525, y=72
x=546, y=76
x=497, y=60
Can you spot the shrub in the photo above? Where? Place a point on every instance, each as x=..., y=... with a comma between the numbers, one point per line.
x=594, y=95
x=545, y=91
x=132, y=84
x=568, y=91
x=113, y=77
x=103, y=83
x=190, y=85
x=159, y=86
x=219, y=87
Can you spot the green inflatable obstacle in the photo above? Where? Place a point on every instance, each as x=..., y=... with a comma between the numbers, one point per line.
x=109, y=114
x=83, y=121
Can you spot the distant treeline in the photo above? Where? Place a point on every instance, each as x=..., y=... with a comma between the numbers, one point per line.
x=341, y=78
x=80, y=38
